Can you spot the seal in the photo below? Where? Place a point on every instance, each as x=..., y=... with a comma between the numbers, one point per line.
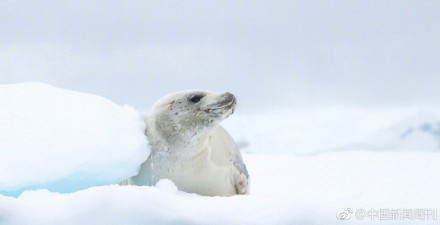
x=190, y=148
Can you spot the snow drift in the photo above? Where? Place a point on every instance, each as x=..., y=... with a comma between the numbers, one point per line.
x=64, y=141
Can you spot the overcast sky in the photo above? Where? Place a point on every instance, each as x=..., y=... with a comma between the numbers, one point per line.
x=276, y=53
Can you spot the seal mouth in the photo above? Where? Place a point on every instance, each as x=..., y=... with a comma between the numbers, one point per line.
x=223, y=106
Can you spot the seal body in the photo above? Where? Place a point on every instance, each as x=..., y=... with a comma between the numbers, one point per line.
x=190, y=148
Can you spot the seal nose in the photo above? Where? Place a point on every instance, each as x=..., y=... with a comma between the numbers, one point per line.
x=229, y=97
x=232, y=101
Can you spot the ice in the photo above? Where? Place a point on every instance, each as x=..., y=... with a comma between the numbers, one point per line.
x=64, y=140
x=63, y=153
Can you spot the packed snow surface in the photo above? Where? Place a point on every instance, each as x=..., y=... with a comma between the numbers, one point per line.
x=62, y=152
x=285, y=190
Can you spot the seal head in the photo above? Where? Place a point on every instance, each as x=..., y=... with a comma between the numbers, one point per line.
x=191, y=113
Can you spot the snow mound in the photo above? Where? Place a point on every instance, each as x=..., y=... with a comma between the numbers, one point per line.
x=64, y=141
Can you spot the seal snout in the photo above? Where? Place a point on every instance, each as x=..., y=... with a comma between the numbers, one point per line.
x=231, y=101
x=223, y=104
x=230, y=97
x=227, y=101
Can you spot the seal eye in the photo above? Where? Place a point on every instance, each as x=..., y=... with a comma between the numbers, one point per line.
x=196, y=98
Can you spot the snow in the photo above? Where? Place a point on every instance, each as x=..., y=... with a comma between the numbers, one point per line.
x=285, y=190
x=306, y=165
x=420, y=132
x=312, y=130
x=64, y=140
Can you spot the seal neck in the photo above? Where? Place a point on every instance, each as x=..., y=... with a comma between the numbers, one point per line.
x=180, y=147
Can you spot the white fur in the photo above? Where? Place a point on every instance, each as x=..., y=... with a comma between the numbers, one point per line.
x=190, y=148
